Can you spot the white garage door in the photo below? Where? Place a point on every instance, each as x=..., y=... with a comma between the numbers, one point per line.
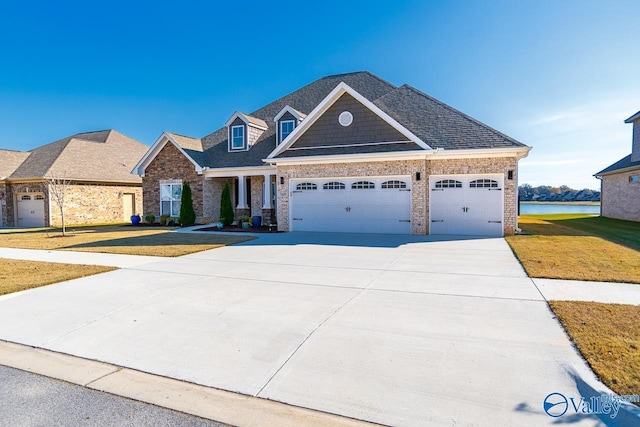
x=30, y=209
x=466, y=205
x=355, y=205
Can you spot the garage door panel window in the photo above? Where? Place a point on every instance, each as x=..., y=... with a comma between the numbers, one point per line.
x=38, y=197
x=394, y=184
x=334, y=185
x=483, y=183
x=170, y=197
x=363, y=185
x=306, y=186
x=25, y=198
x=448, y=183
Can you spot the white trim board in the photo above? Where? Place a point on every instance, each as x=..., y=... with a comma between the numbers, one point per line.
x=155, y=149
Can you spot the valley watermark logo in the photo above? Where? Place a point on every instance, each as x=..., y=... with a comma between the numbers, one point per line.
x=557, y=404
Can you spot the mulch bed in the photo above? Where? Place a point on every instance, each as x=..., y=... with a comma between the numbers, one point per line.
x=233, y=229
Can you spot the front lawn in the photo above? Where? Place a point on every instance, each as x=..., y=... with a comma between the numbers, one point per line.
x=608, y=337
x=154, y=241
x=578, y=247
x=18, y=275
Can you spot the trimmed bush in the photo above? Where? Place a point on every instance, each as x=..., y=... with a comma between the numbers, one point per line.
x=187, y=213
x=150, y=219
x=226, y=209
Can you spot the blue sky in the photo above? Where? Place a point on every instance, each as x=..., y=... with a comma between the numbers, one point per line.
x=558, y=76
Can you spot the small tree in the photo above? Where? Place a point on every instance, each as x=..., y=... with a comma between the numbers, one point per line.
x=187, y=213
x=226, y=209
x=57, y=187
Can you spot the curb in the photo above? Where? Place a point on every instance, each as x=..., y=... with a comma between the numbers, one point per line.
x=205, y=402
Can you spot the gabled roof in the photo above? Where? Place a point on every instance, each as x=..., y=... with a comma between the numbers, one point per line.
x=632, y=118
x=434, y=123
x=439, y=125
x=288, y=109
x=190, y=147
x=92, y=156
x=10, y=160
x=250, y=120
x=624, y=163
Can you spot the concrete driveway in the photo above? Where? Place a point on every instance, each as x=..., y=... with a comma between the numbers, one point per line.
x=391, y=329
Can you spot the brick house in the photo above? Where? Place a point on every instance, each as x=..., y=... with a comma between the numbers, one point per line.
x=620, y=182
x=346, y=153
x=97, y=165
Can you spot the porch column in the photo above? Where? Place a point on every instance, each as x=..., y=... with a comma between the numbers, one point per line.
x=242, y=192
x=267, y=192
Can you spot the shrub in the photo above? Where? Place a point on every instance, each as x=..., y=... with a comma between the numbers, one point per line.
x=226, y=209
x=150, y=219
x=187, y=213
x=164, y=219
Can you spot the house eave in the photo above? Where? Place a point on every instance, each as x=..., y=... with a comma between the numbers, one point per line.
x=209, y=173
x=617, y=171
x=155, y=149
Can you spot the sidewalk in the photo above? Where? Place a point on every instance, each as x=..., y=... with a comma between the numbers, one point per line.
x=578, y=290
x=72, y=257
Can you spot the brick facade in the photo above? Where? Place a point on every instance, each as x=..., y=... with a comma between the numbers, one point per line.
x=419, y=193
x=620, y=198
x=420, y=189
x=494, y=165
x=14, y=188
x=170, y=164
x=95, y=204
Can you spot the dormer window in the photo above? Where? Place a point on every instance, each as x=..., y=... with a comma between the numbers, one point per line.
x=286, y=127
x=237, y=138
x=286, y=121
x=244, y=131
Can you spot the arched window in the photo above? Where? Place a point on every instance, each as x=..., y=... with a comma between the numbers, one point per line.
x=306, y=186
x=362, y=185
x=333, y=185
x=484, y=183
x=25, y=197
x=448, y=183
x=394, y=184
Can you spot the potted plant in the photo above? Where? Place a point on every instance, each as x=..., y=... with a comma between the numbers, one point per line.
x=244, y=221
x=135, y=219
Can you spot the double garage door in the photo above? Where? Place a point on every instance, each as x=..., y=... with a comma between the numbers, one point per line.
x=466, y=205
x=357, y=205
x=458, y=204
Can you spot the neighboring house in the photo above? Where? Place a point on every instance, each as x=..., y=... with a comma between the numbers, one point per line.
x=98, y=166
x=620, y=182
x=346, y=153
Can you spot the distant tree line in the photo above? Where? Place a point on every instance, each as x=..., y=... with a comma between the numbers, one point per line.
x=546, y=193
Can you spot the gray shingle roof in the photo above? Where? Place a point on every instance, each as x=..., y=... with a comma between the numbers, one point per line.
x=439, y=125
x=93, y=156
x=620, y=164
x=10, y=160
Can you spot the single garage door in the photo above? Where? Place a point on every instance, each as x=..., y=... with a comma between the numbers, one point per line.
x=351, y=205
x=30, y=209
x=466, y=205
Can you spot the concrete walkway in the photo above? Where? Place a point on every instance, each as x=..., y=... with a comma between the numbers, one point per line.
x=73, y=257
x=580, y=290
x=397, y=330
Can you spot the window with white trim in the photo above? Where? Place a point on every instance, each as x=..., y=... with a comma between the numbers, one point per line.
x=334, y=185
x=394, y=184
x=448, y=183
x=483, y=183
x=237, y=137
x=170, y=197
x=306, y=186
x=363, y=185
x=286, y=127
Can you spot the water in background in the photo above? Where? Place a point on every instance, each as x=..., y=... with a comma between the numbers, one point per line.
x=556, y=208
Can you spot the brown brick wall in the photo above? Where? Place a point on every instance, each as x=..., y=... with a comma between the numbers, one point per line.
x=95, y=204
x=419, y=191
x=170, y=164
x=3, y=204
x=493, y=165
x=23, y=187
x=621, y=198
